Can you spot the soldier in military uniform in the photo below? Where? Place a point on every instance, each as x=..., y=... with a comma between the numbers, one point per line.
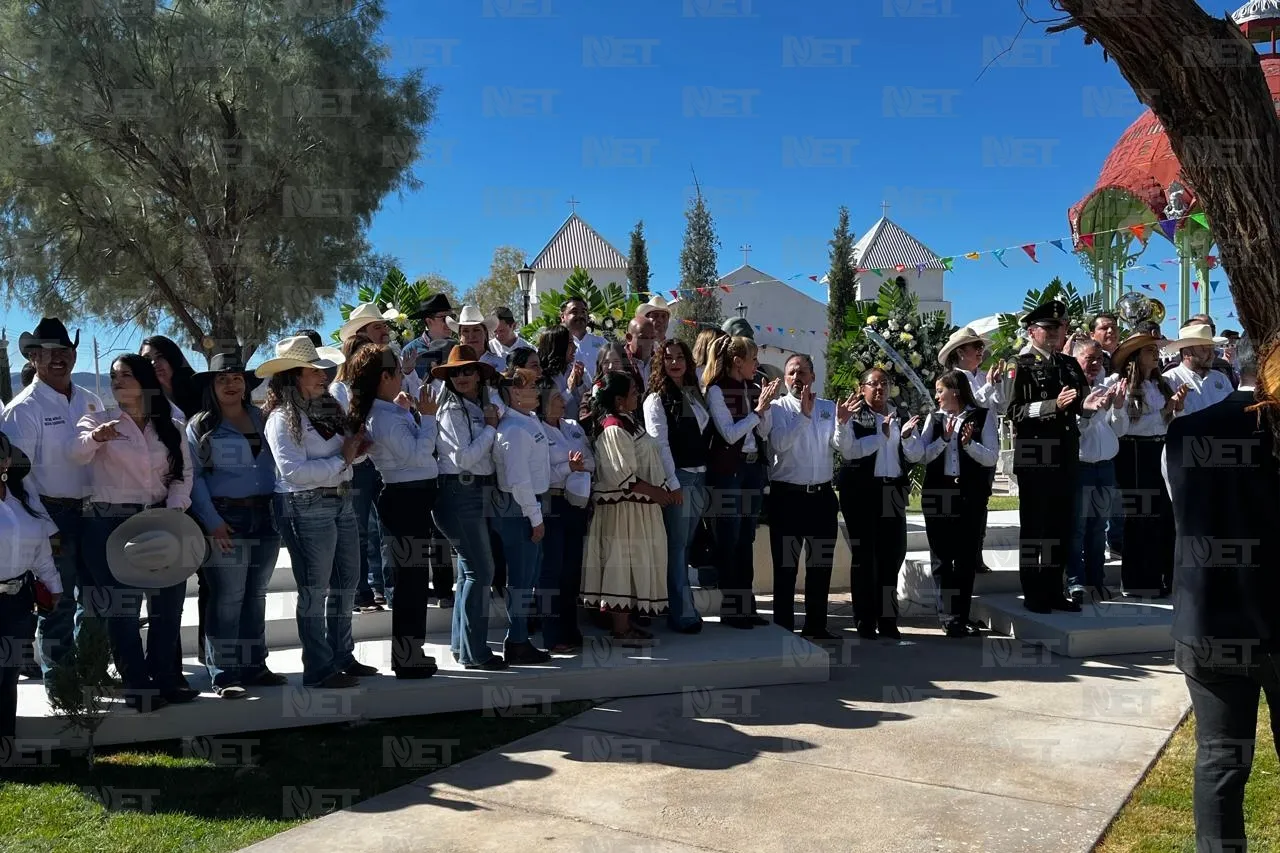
x=1047, y=392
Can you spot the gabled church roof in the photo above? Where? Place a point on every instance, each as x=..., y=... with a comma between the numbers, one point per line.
x=578, y=244
x=886, y=245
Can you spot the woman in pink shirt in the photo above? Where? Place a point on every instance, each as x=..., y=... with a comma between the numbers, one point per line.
x=138, y=460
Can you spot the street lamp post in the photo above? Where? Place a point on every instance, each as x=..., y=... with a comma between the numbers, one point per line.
x=524, y=277
x=742, y=310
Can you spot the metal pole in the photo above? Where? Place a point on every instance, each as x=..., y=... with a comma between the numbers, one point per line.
x=1184, y=284
x=97, y=376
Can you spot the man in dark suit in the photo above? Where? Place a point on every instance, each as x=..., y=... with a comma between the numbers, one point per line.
x=1223, y=479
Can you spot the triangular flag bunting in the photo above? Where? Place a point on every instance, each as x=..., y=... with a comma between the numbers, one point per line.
x=813, y=278
x=1155, y=267
x=702, y=291
x=948, y=263
x=1231, y=314
x=919, y=270
x=768, y=328
x=899, y=267
x=1058, y=243
x=877, y=272
x=1195, y=285
x=726, y=288
x=1164, y=286
x=1139, y=231
x=1146, y=287
x=1169, y=226
x=1213, y=286
x=1200, y=219
x=1211, y=261
x=1030, y=249
x=973, y=256
x=999, y=253
x=1087, y=239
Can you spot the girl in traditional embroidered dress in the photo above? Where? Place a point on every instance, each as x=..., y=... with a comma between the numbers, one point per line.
x=625, y=569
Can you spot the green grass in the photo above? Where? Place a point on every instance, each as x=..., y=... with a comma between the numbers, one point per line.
x=1159, y=818
x=165, y=800
x=997, y=503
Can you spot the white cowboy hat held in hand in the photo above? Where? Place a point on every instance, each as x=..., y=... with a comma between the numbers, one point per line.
x=156, y=548
x=470, y=315
x=298, y=352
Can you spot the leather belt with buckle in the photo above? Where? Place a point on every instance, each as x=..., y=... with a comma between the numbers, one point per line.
x=12, y=587
x=334, y=491
x=751, y=458
x=811, y=489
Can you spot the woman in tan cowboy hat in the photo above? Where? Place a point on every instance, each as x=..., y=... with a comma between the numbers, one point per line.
x=467, y=425
x=1147, y=553
x=306, y=430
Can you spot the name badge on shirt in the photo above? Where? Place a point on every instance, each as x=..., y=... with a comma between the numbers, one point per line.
x=825, y=415
x=55, y=420
x=537, y=436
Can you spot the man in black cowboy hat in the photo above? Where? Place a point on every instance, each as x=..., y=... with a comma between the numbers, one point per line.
x=1049, y=391
x=434, y=314
x=41, y=421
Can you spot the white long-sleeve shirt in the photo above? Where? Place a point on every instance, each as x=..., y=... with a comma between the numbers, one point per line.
x=1100, y=434
x=885, y=447
x=1203, y=391
x=464, y=442
x=521, y=454
x=316, y=463
x=987, y=394
x=734, y=431
x=563, y=440
x=801, y=447
x=983, y=448
x=42, y=423
x=403, y=450
x=1151, y=421
x=24, y=541
x=655, y=423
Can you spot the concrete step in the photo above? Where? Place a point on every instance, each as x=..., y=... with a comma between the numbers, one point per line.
x=718, y=659
x=282, y=623
x=1118, y=627
x=916, y=585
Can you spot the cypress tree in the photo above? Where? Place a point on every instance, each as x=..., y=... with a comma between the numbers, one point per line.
x=698, y=270
x=638, y=263
x=841, y=293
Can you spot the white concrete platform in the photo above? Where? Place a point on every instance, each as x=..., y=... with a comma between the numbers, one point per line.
x=918, y=592
x=718, y=658
x=1117, y=627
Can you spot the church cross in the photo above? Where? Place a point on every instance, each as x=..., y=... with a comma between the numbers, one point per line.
x=745, y=248
x=573, y=204
x=884, y=209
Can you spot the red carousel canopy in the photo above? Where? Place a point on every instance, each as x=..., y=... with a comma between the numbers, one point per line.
x=1142, y=162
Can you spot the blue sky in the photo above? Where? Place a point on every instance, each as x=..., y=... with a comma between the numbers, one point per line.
x=786, y=109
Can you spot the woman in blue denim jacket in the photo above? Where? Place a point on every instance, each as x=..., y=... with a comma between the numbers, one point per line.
x=235, y=476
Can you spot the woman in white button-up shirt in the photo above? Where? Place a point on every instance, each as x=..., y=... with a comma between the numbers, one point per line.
x=25, y=557
x=402, y=436
x=467, y=426
x=306, y=430
x=676, y=417
x=958, y=446
x=522, y=458
x=138, y=459
x=560, y=579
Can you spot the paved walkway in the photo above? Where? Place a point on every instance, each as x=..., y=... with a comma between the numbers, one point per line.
x=930, y=745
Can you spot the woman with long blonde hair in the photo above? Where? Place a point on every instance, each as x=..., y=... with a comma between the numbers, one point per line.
x=736, y=478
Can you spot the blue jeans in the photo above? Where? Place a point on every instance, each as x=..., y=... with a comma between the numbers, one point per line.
x=560, y=581
x=120, y=606
x=235, y=614
x=1085, y=563
x=737, y=499
x=524, y=562
x=324, y=547
x=377, y=571
x=55, y=630
x=680, y=522
x=461, y=514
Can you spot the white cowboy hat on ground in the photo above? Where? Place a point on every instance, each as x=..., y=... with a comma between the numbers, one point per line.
x=470, y=315
x=298, y=352
x=959, y=338
x=1195, y=335
x=156, y=548
x=361, y=316
x=655, y=303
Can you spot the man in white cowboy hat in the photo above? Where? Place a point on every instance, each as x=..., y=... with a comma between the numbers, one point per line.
x=1205, y=386
x=365, y=319
x=475, y=330
x=41, y=422
x=658, y=310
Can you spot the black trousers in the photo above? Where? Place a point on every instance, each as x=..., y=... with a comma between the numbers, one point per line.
x=1225, y=700
x=736, y=499
x=17, y=637
x=802, y=521
x=1046, y=517
x=441, y=558
x=953, y=521
x=877, y=520
x=401, y=507
x=1146, y=565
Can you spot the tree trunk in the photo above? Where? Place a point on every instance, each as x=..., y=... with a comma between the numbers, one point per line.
x=1203, y=80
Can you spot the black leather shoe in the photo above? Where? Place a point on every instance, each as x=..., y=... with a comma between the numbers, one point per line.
x=742, y=623
x=890, y=630
x=692, y=628
x=984, y=569
x=359, y=670
x=867, y=632
x=1065, y=604
x=1036, y=606
x=425, y=669
x=957, y=630
x=757, y=619
x=818, y=636
x=524, y=654
x=1076, y=595
x=179, y=695
x=493, y=664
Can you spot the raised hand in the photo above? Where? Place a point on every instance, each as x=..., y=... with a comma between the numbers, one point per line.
x=576, y=462
x=575, y=375
x=1066, y=397
x=966, y=434
x=948, y=427
x=1097, y=399
x=427, y=403
x=106, y=432
x=404, y=401
x=491, y=415
x=807, y=398
x=1179, y=398
x=767, y=393
x=1121, y=389
x=409, y=362
x=909, y=429
x=847, y=408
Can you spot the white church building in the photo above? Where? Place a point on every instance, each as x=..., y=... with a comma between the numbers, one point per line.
x=888, y=252
x=576, y=244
